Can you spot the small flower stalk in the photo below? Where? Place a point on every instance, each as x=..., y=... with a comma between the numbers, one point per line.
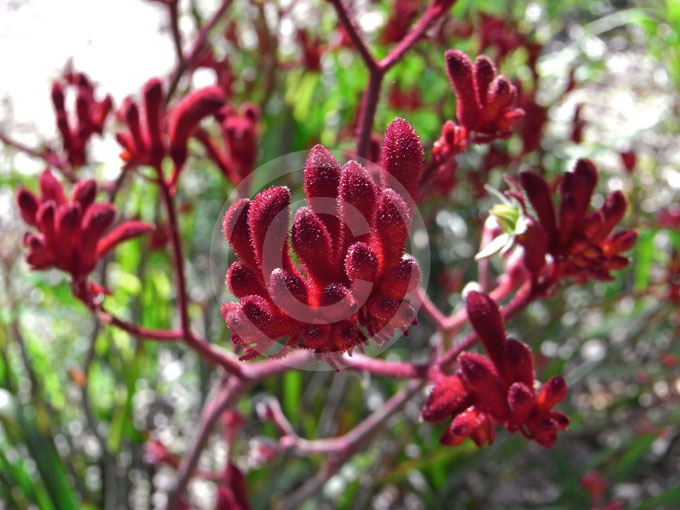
x=495, y=389
x=353, y=280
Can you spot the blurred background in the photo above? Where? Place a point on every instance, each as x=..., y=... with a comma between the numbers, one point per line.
x=80, y=405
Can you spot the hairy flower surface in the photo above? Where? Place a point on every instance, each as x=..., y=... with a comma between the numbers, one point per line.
x=352, y=280
x=495, y=389
x=153, y=133
x=71, y=233
x=581, y=243
x=485, y=101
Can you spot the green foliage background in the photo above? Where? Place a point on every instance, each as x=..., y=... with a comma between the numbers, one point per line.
x=609, y=340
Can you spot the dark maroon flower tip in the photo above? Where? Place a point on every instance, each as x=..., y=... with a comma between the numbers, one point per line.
x=84, y=193
x=540, y=197
x=402, y=156
x=487, y=321
x=243, y=281
x=28, y=205
x=613, y=210
x=153, y=109
x=620, y=242
x=361, y=263
x=447, y=398
x=57, y=94
x=484, y=74
x=51, y=189
x=522, y=402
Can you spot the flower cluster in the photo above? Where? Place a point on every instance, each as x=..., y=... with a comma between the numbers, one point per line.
x=240, y=134
x=581, y=243
x=90, y=115
x=354, y=278
x=146, y=143
x=495, y=390
x=485, y=101
x=72, y=234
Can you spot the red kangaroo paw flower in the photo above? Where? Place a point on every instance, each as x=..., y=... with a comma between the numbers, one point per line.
x=361, y=263
x=236, y=232
x=448, y=397
x=579, y=244
x=357, y=197
x=324, y=308
x=484, y=74
x=482, y=380
x=460, y=71
x=522, y=402
x=577, y=189
x=322, y=180
x=518, y=362
x=539, y=195
x=51, y=189
x=123, y=232
x=485, y=318
x=400, y=279
x=67, y=223
x=242, y=281
x=311, y=242
x=621, y=241
x=402, y=156
x=186, y=116
x=392, y=221
x=613, y=209
x=132, y=119
x=268, y=219
x=552, y=393
x=84, y=193
x=544, y=430
x=153, y=109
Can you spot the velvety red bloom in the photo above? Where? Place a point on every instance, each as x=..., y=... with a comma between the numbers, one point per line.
x=237, y=155
x=485, y=102
x=146, y=142
x=89, y=117
x=496, y=390
x=72, y=234
x=352, y=280
x=581, y=243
